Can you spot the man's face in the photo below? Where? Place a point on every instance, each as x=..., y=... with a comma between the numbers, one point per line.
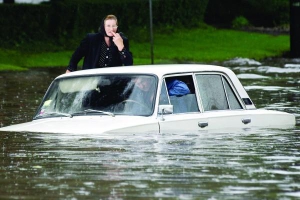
x=110, y=26
x=143, y=83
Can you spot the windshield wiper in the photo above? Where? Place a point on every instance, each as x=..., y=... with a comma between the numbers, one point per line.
x=95, y=111
x=55, y=114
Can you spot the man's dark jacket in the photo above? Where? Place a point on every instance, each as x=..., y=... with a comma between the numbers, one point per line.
x=90, y=48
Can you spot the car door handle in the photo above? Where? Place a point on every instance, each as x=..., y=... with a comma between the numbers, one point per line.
x=202, y=124
x=246, y=121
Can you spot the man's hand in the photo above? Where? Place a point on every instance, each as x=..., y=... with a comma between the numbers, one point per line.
x=117, y=39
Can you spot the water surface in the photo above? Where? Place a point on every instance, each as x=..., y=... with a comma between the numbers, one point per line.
x=245, y=164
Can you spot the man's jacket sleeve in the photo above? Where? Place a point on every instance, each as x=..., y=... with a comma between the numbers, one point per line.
x=78, y=54
x=125, y=54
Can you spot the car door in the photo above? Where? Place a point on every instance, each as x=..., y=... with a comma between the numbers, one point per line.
x=185, y=115
x=219, y=103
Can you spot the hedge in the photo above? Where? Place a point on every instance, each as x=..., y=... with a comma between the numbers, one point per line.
x=266, y=13
x=23, y=22
x=69, y=19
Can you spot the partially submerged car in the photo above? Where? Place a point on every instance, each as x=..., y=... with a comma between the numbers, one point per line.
x=153, y=98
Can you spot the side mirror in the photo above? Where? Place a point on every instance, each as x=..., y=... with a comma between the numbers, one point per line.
x=165, y=109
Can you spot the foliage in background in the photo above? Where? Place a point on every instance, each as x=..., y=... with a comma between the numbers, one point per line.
x=23, y=23
x=65, y=21
x=240, y=22
x=266, y=13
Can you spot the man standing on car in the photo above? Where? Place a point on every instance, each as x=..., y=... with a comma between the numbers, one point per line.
x=107, y=48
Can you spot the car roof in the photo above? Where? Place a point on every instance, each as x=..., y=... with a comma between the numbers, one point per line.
x=159, y=70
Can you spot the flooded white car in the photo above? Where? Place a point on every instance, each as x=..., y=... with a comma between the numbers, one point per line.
x=153, y=98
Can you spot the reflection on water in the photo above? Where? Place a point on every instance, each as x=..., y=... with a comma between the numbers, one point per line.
x=253, y=165
x=22, y=92
x=275, y=87
x=249, y=164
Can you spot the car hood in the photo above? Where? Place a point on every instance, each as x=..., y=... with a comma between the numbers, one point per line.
x=87, y=124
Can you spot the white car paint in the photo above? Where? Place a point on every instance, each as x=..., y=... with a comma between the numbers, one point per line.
x=248, y=117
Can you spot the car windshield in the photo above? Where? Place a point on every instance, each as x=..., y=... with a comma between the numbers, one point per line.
x=100, y=95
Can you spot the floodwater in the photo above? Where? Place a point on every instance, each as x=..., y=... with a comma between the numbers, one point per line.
x=249, y=164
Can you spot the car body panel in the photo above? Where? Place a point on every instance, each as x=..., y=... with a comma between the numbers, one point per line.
x=88, y=124
x=227, y=119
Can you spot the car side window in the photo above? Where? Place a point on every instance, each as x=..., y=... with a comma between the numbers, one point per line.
x=216, y=93
x=232, y=98
x=179, y=91
x=163, y=97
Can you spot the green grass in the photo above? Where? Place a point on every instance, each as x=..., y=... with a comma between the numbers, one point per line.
x=179, y=46
x=213, y=45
